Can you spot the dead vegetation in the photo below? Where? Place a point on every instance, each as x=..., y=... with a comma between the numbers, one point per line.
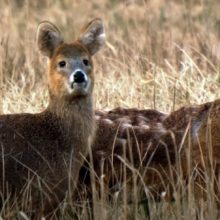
x=159, y=54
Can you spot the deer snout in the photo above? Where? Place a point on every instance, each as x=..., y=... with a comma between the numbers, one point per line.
x=78, y=81
x=79, y=77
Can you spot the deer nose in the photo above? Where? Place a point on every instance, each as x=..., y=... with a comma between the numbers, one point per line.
x=79, y=76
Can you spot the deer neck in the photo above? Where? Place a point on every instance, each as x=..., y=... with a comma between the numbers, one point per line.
x=75, y=119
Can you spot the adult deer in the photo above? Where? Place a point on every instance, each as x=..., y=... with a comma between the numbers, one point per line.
x=41, y=154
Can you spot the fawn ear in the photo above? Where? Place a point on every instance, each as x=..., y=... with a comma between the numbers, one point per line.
x=93, y=36
x=48, y=38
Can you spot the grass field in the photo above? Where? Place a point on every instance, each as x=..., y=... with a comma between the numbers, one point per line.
x=159, y=54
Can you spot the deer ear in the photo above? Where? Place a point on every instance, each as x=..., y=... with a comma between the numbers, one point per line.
x=48, y=38
x=93, y=36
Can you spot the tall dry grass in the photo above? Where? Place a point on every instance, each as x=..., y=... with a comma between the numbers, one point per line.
x=159, y=54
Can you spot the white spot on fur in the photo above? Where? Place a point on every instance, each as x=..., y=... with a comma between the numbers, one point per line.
x=125, y=120
x=160, y=127
x=142, y=118
x=97, y=117
x=126, y=126
x=107, y=121
x=163, y=194
x=146, y=127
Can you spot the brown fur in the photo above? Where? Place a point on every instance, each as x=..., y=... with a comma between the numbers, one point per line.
x=151, y=142
x=41, y=154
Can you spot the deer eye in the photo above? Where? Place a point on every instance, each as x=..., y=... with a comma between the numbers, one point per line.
x=86, y=62
x=62, y=64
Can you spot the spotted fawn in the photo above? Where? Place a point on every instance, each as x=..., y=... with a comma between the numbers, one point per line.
x=153, y=150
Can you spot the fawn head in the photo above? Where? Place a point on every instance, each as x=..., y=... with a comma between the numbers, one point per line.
x=70, y=73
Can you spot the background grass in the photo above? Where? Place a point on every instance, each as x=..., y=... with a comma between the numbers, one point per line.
x=159, y=54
